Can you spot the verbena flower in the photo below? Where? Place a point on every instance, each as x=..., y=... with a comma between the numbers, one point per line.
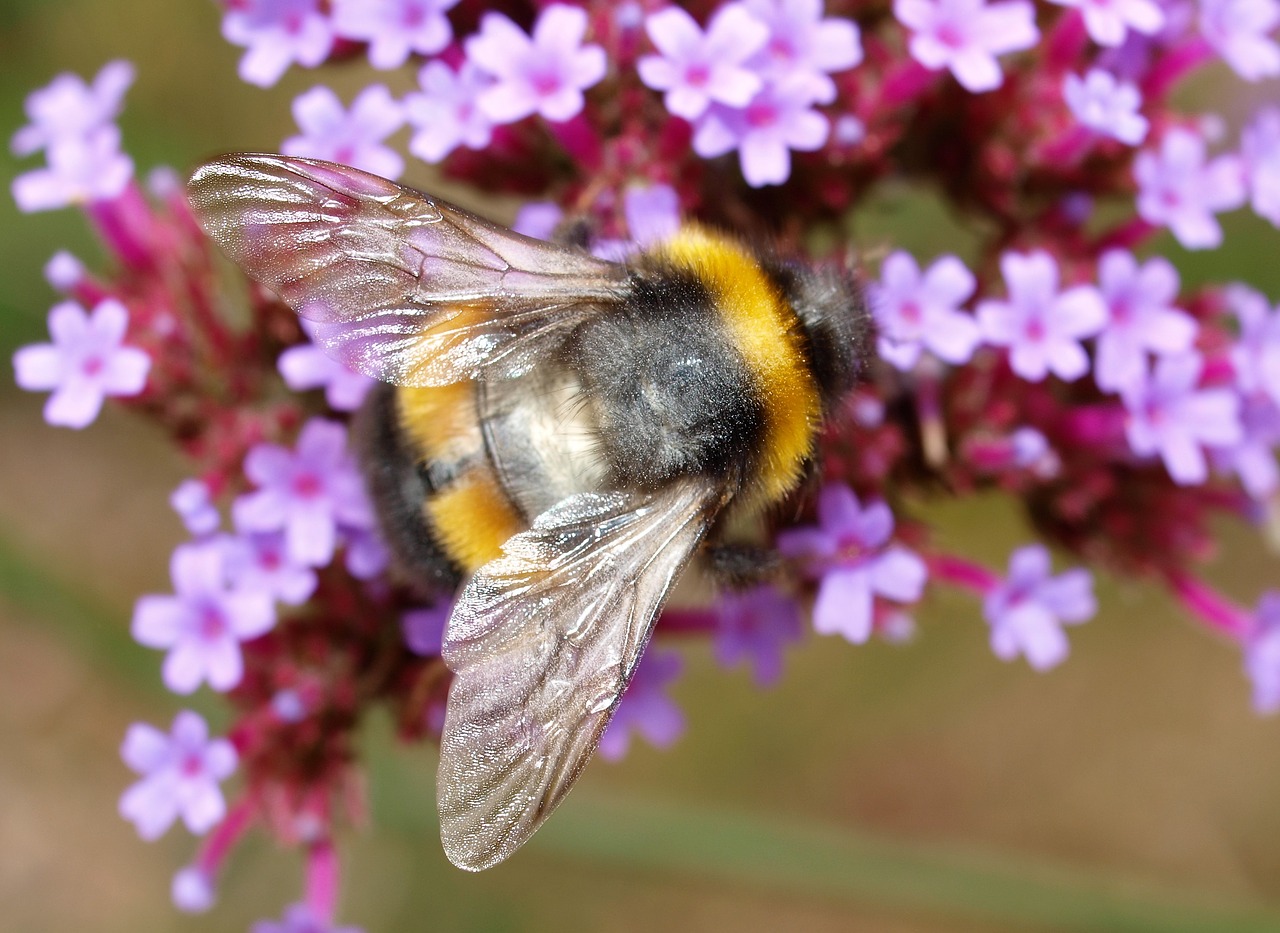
x=394, y=28
x=305, y=366
x=203, y=623
x=805, y=48
x=776, y=121
x=697, y=69
x=1141, y=317
x=352, y=137
x=755, y=626
x=1108, y=21
x=68, y=109
x=367, y=556
x=180, y=776
x=1169, y=415
x=1178, y=189
x=86, y=362
x=544, y=73
x=79, y=171
x=423, y=629
x=1260, y=153
x=63, y=271
x=1105, y=105
x=965, y=36
x=1240, y=31
x=259, y=562
x=1253, y=459
x=446, y=113
x=192, y=890
x=299, y=918
x=652, y=214
x=538, y=219
x=277, y=33
x=1027, y=610
x=645, y=708
x=850, y=552
x=307, y=492
x=1262, y=654
x=916, y=312
x=194, y=505
x=1255, y=357
x=1041, y=326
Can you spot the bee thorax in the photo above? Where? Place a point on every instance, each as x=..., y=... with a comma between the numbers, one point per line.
x=671, y=397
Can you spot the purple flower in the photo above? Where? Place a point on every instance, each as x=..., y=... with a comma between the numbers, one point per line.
x=1041, y=326
x=1105, y=105
x=69, y=109
x=1177, y=189
x=192, y=890
x=545, y=74
x=446, y=114
x=1253, y=460
x=64, y=271
x=299, y=918
x=180, y=774
x=1239, y=31
x=86, y=362
x=80, y=171
x=394, y=28
x=423, y=629
x=203, y=624
x=366, y=553
x=695, y=68
x=777, y=120
x=645, y=707
x=258, y=563
x=1027, y=610
x=847, y=131
x=1262, y=654
x=1141, y=317
x=192, y=502
x=306, y=493
x=277, y=33
x=1256, y=357
x=755, y=626
x=1260, y=152
x=305, y=366
x=803, y=47
x=1109, y=20
x=351, y=137
x=915, y=312
x=538, y=219
x=1168, y=415
x=1030, y=450
x=850, y=553
x=965, y=36
x=652, y=214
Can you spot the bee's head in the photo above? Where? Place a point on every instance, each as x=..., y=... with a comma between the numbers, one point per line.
x=833, y=315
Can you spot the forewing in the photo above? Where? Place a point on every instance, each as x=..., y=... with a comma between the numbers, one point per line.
x=403, y=287
x=542, y=642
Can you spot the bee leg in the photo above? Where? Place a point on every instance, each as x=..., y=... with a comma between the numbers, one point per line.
x=742, y=566
x=399, y=486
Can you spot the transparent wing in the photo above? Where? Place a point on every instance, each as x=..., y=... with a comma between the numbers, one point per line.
x=543, y=641
x=403, y=287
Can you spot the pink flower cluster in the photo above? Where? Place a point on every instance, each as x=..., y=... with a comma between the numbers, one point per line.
x=1059, y=361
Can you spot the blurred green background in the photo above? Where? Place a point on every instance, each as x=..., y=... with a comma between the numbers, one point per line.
x=925, y=787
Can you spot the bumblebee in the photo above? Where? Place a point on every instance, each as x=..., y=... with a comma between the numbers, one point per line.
x=557, y=434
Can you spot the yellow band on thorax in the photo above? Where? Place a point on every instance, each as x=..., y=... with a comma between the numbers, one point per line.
x=764, y=329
